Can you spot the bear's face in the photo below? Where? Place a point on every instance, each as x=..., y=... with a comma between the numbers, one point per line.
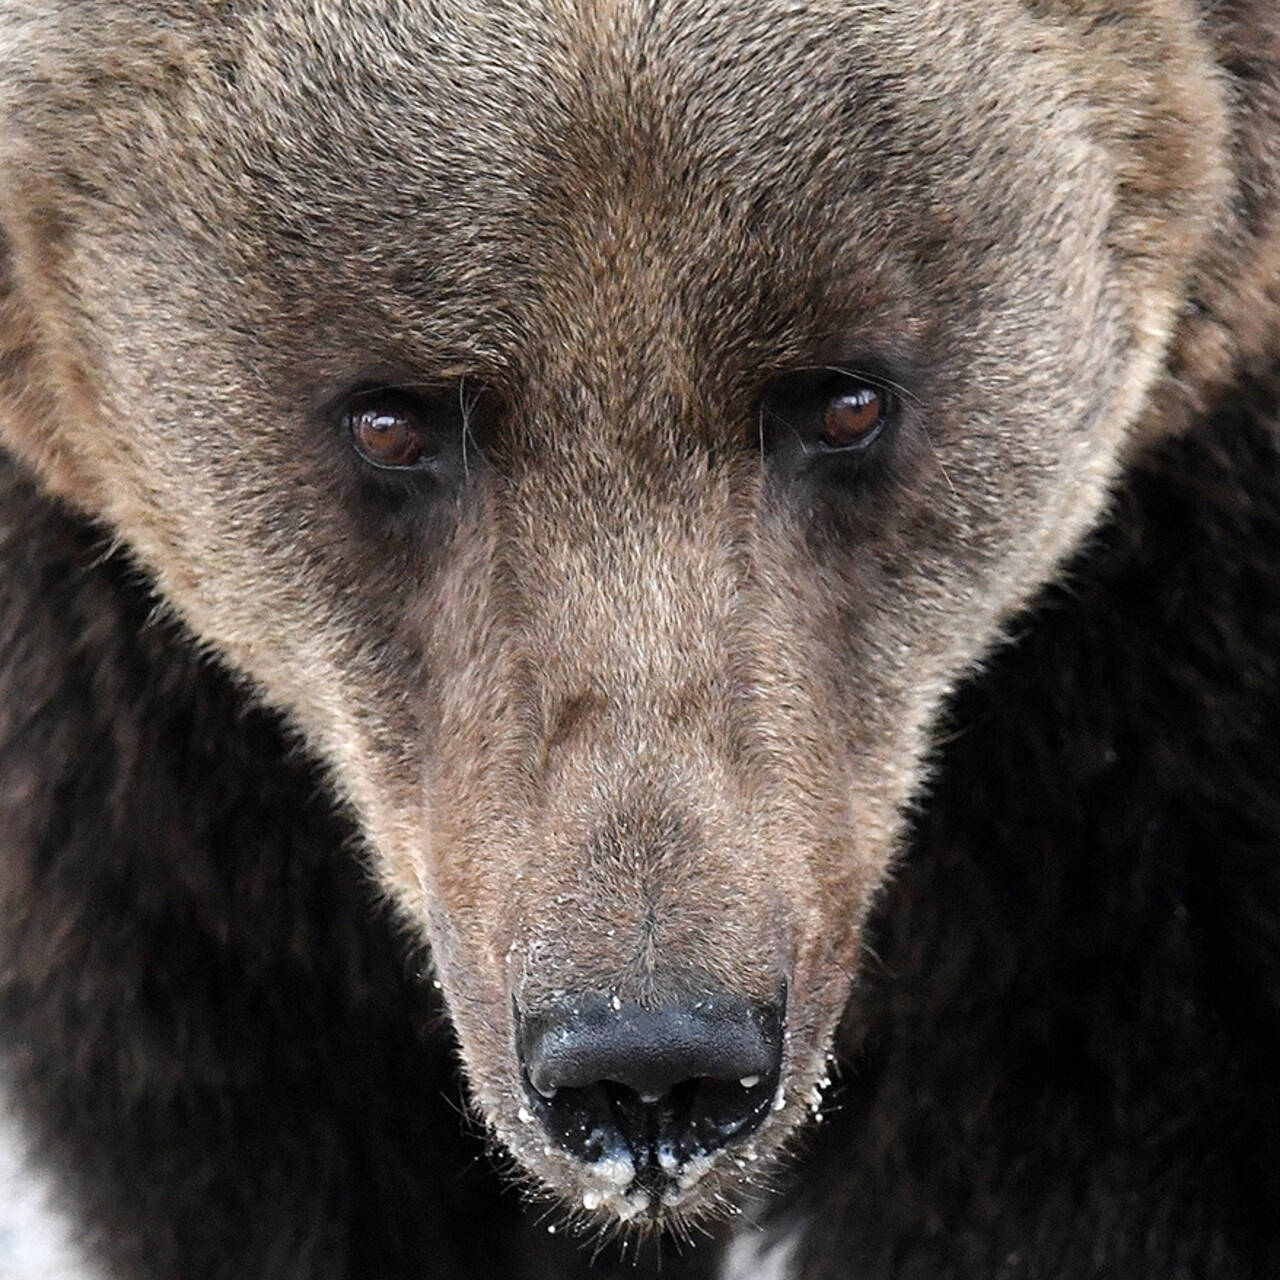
x=608, y=430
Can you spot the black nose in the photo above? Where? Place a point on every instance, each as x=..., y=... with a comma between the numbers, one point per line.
x=658, y=1085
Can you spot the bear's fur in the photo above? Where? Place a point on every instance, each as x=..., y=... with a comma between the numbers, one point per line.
x=303, y=771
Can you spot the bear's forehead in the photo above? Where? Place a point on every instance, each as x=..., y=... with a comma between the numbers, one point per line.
x=509, y=180
x=559, y=124
x=537, y=149
x=487, y=186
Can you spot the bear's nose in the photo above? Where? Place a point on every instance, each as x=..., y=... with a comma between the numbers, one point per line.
x=659, y=1086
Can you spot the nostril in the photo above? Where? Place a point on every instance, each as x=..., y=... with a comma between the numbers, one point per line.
x=657, y=1085
x=649, y=1050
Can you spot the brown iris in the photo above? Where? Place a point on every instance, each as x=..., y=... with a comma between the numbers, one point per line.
x=853, y=418
x=387, y=433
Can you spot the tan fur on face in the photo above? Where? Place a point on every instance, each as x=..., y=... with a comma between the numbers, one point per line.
x=629, y=712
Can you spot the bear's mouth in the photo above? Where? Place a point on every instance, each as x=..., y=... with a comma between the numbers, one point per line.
x=669, y=1141
x=644, y=1100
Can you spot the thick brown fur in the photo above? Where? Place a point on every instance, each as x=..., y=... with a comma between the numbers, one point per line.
x=637, y=705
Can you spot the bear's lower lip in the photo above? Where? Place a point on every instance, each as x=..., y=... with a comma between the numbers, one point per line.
x=650, y=1190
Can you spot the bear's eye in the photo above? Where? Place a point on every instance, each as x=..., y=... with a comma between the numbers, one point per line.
x=388, y=429
x=826, y=418
x=854, y=417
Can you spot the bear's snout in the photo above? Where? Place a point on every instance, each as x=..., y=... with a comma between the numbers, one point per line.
x=650, y=1093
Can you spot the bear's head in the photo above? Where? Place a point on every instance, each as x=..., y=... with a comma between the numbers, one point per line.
x=607, y=430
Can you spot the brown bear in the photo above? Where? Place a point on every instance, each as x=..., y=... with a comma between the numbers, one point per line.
x=544, y=523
